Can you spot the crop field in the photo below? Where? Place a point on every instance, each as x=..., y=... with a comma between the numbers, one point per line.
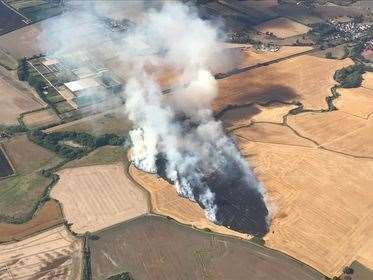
x=282, y=27
x=320, y=211
x=52, y=254
x=15, y=99
x=166, y=201
x=47, y=217
x=245, y=115
x=244, y=55
x=163, y=250
x=101, y=156
x=95, y=197
x=293, y=79
x=40, y=118
x=19, y=193
x=112, y=121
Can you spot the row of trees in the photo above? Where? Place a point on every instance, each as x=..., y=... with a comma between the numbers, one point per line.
x=56, y=141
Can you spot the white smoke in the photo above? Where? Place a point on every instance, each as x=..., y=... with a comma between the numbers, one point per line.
x=192, y=148
x=178, y=126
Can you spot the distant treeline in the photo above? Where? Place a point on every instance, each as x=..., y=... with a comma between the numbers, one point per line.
x=56, y=141
x=350, y=76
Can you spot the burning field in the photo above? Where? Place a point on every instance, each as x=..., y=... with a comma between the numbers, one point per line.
x=178, y=137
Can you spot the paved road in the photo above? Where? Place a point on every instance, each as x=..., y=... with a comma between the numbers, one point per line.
x=10, y=19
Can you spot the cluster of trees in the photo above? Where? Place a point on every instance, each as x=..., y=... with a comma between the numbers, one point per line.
x=321, y=30
x=55, y=141
x=350, y=76
x=121, y=276
x=23, y=70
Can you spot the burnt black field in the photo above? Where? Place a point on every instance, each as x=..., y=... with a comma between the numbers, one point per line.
x=240, y=206
x=5, y=168
x=9, y=20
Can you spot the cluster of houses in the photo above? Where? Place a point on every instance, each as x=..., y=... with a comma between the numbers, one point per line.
x=349, y=30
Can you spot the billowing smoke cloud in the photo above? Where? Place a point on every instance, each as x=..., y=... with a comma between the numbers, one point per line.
x=176, y=134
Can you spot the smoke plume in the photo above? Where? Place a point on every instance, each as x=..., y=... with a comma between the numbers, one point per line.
x=176, y=134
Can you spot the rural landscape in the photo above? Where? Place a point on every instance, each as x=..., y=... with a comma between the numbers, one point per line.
x=186, y=139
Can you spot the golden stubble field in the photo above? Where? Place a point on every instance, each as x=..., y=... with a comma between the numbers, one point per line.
x=316, y=167
x=98, y=196
x=305, y=78
x=52, y=254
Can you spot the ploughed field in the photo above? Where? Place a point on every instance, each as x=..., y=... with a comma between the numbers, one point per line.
x=5, y=166
x=163, y=249
x=9, y=20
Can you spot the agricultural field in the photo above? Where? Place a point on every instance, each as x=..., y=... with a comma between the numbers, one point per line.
x=101, y=156
x=282, y=27
x=245, y=115
x=112, y=121
x=96, y=197
x=52, y=254
x=286, y=81
x=15, y=98
x=20, y=193
x=164, y=249
x=312, y=189
x=166, y=201
x=40, y=118
x=6, y=168
x=244, y=55
x=48, y=216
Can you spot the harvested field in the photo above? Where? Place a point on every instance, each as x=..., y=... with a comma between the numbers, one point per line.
x=40, y=118
x=325, y=127
x=244, y=55
x=155, y=248
x=53, y=254
x=96, y=197
x=282, y=27
x=245, y=115
x=272, y=133
x=15, y=98
x=293, y=79
x=326, y=195
x=47, y=217
x=6, y=168
x=355, y=101
x=368, y=80
x=167, y=202
x=113, y=121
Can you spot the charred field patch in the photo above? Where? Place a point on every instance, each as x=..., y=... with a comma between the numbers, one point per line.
x=152, y=247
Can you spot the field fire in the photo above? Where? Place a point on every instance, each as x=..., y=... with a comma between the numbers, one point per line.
x=191, y=151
